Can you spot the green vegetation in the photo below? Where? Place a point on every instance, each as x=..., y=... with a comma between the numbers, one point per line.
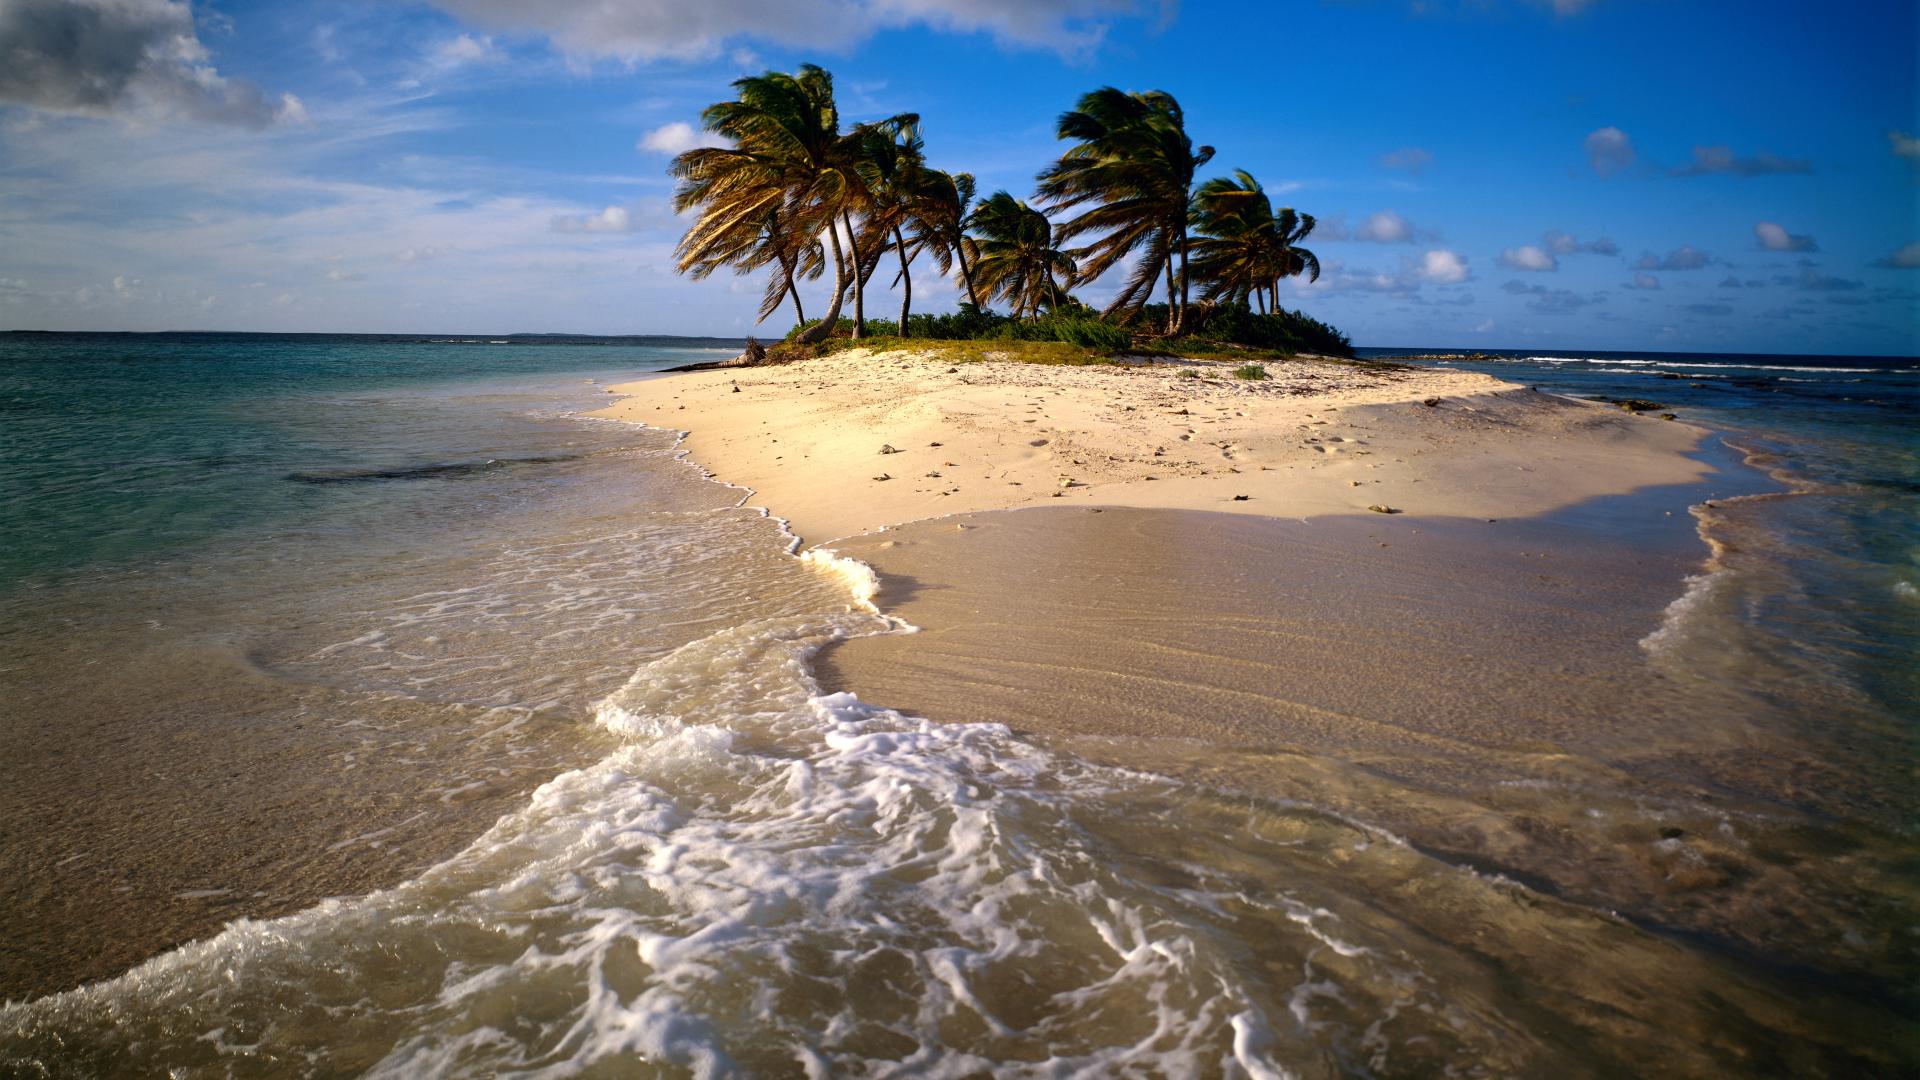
x=1250, y=372
x=792, y=193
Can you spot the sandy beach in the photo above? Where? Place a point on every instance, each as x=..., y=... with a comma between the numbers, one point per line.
x=1314, y=438
x=1196, y=583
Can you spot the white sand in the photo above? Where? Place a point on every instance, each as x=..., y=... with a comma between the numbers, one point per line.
x=1316, y=438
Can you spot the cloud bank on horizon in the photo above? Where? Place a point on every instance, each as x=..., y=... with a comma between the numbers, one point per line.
x=494, y=166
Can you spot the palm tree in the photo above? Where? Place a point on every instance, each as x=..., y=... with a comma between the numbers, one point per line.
x=1245, y=248
x=938, y=224
x=1133, y=161
x=892, y=167
x=1018, y=261
x=788, y=154
x=751, y=244
x=1289, y=229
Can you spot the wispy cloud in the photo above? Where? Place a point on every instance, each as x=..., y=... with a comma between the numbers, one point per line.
x=1722, y=161
x=639, y=30
x=1408, y=159
x=1684, y=257
x=1563, y=243
x=1548, y=301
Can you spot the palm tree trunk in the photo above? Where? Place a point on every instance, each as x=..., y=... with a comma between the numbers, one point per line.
x=1262, y=295
x=799, y=313
x=825, y=326
x=1173, y=298
x=906, y=279
x=1181, y=326
x=859, y=281
x=1276, y=297
x=966, y=275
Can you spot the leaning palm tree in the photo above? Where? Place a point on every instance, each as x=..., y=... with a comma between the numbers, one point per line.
x=1234, y=253
x=786, y=153
x=751, y=244
x=1132, y=167
x=1245, y=248
x=891, y=166
x=937, y=224
x=1018, y=260
x=1289, y=229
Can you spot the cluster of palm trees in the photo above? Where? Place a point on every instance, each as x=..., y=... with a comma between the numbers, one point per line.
x=792, y=193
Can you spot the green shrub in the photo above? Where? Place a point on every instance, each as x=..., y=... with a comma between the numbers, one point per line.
x=1253, y=372
x=1237, y=324
x=1076, y=325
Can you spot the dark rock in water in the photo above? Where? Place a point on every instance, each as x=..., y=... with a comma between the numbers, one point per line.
x=1698, y=385
x=1668, y=416
x=1383, y=509
x=1632, y=405
x=1667, y=375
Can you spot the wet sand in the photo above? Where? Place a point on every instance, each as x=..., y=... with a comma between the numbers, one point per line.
x=1477, y=688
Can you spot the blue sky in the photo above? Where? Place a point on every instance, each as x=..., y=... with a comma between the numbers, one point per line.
x=1635, y=174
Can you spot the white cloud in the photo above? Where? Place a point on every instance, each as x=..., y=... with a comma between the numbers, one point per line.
x=1904, y=145
x=1609, y=150
x=702, y=29
x=633, y=217
x=464, y=49
x=1442, y=267
x=1644, y=281
x=1774, y=238
x=1907, y=258
x=677, y=137
x=1529, y=258
x=110, y=57
x=1385, y=227
x=292, y=111
x=614, y=219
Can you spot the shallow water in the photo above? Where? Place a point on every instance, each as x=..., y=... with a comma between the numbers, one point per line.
x=688, y=857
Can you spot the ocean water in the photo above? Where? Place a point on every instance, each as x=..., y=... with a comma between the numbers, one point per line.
x=370, y=710
x=1815, y=582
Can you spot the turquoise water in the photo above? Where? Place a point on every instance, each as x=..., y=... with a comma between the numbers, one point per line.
x=116, y=446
